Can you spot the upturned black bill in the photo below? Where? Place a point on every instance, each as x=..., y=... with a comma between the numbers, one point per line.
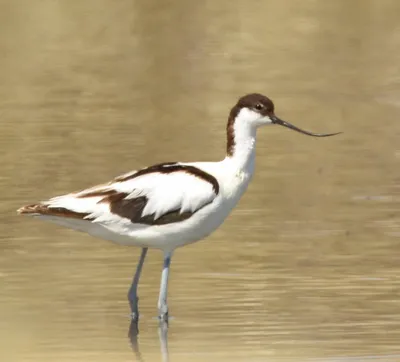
x=281, y=122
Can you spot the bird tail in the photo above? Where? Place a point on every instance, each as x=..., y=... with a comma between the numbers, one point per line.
x=47, y=210
x=32, y=209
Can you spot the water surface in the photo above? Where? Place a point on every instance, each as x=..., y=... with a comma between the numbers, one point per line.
x=305, y=269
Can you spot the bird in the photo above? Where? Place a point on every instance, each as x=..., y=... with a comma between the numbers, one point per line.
x=168, y=205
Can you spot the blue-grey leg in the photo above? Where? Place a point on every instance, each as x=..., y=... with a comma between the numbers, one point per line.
x=132, y=294
x=162, y=300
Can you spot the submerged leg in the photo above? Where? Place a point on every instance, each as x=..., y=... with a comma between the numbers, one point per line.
x=132, y=294
x=162, y=300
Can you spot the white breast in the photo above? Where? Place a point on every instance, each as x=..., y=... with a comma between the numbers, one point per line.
x=232, y=184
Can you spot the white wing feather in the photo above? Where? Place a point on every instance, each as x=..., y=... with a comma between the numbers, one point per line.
x=165, y=192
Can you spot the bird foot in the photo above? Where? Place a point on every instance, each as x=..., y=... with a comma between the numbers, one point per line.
x=135, y=317
x=163, y=318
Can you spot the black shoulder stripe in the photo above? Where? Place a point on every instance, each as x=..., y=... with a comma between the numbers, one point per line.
x=171, y=167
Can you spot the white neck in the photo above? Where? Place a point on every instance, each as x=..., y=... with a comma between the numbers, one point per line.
x=242, y=153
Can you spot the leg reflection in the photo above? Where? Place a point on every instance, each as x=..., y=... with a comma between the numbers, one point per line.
x=133, y=334
x=163, y=336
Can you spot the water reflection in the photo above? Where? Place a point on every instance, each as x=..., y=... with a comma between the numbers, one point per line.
x=133, y=334
x=163, y=337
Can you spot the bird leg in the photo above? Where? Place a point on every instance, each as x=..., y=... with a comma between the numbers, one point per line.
x=162, y=300
x=132, y=294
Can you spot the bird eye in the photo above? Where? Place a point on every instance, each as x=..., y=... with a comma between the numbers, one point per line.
x=259, y=106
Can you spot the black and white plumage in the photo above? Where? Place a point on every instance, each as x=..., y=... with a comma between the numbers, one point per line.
x=168, y=205
x=144, y=208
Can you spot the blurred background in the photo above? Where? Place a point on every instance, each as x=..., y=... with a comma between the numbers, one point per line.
x=305, y=269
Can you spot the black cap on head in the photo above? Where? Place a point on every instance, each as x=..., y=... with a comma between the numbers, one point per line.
x=258, y=102
x=255, y=101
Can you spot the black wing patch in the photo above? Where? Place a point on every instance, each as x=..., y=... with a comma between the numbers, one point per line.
x=132, y=209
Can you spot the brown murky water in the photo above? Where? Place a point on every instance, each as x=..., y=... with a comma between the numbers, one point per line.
x=307, y=267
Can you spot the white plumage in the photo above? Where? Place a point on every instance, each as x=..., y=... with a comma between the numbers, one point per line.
x=168, y=205
x=166, y=192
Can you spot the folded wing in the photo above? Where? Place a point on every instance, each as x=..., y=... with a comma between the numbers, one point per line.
x=157, y=195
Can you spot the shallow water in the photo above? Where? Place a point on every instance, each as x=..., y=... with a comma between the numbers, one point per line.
x=305, y=269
